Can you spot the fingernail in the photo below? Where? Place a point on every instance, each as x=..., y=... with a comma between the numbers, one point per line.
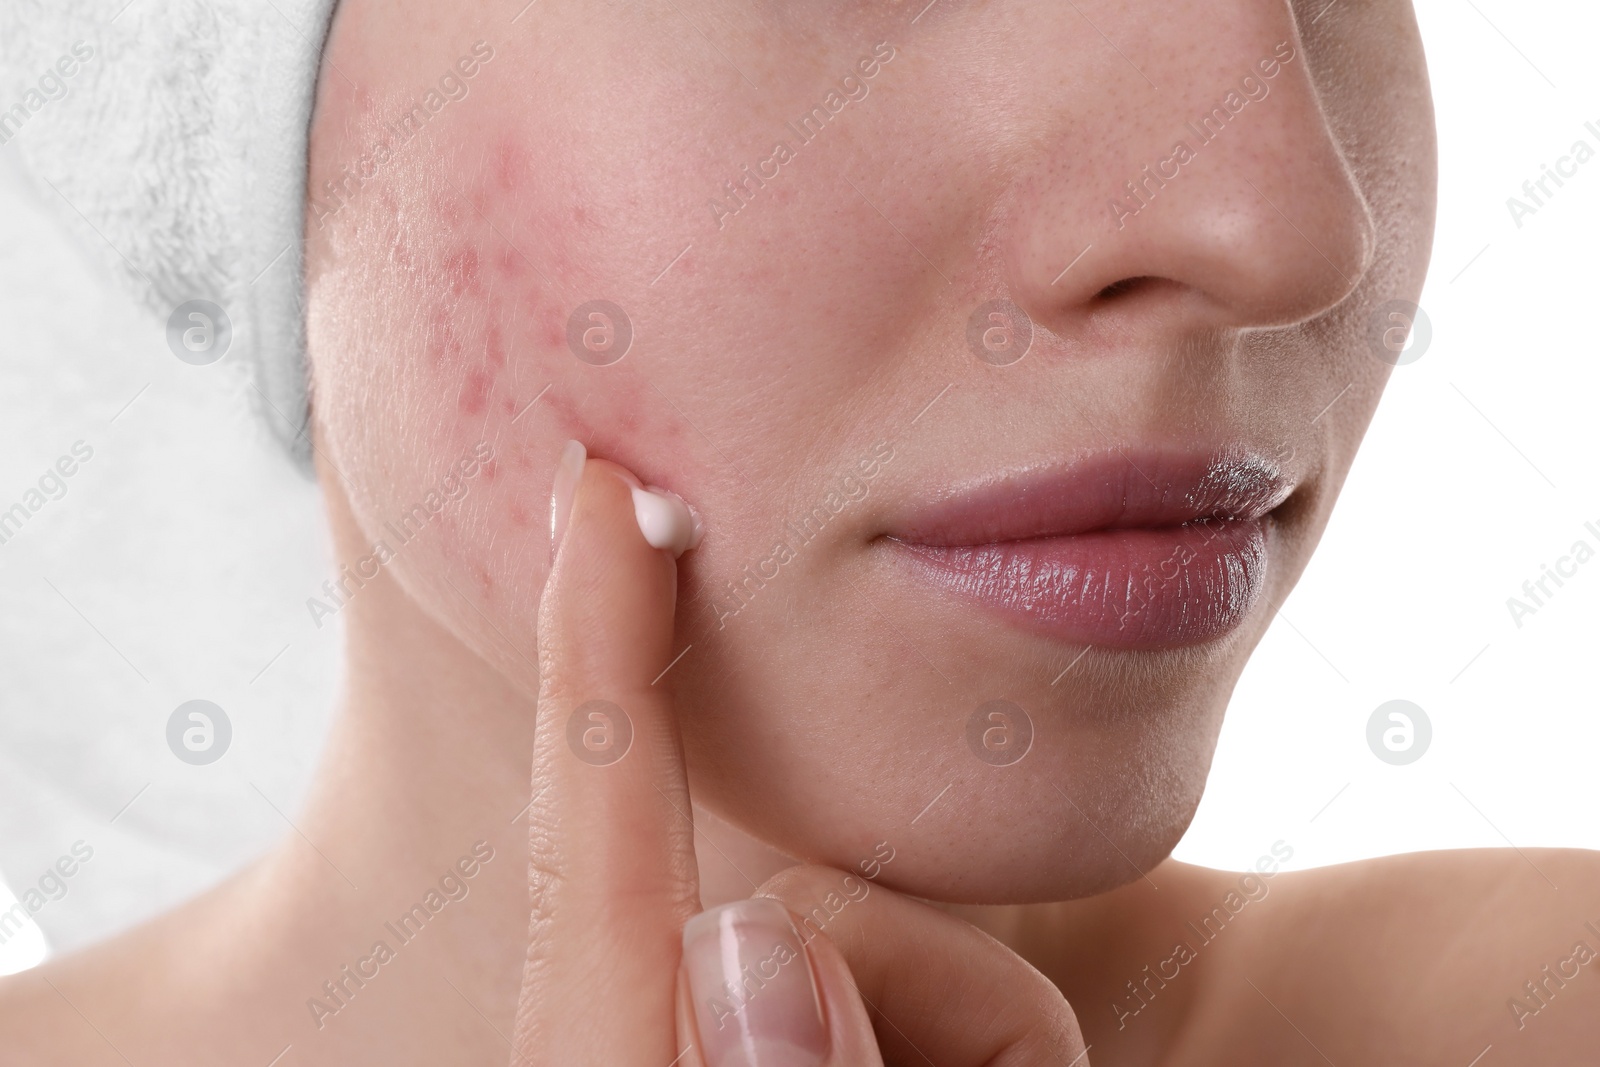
x=755, y=999
x=565, y=486
x=665, y=520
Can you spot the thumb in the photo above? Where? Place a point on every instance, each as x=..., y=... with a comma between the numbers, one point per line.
x=757, y=992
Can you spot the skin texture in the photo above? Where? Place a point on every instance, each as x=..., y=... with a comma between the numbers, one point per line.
x=773, y=347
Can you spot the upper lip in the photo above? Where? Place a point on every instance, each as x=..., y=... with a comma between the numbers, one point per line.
x=1102, y=491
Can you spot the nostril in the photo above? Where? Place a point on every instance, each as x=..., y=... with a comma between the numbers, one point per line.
x=1124, y=286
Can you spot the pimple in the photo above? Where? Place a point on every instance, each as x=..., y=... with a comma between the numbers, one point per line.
x=519, y=516
x=489, y=471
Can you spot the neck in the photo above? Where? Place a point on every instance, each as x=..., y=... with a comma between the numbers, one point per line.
x=425, y=775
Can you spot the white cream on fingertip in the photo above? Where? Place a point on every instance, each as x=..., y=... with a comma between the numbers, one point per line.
x=666, y=521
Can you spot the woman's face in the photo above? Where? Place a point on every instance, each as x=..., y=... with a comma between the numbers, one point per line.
x=824, y=232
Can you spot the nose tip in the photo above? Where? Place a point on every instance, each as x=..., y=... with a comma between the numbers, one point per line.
x=1249, y=217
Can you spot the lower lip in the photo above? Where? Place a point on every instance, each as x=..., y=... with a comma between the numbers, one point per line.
x=1144, y=588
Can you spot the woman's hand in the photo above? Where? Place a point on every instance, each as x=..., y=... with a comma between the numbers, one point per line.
x=621, y=971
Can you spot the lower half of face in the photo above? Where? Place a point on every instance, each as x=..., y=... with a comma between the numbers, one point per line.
x=1012, y=374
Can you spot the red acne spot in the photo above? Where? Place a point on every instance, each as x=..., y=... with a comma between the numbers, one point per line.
x=475, y=392
x=489, y=471
x=508, y=405
x=462, y=270
x=520, y=516
x=485, y=582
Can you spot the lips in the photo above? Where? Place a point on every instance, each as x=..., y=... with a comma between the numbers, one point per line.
x=1121, y=550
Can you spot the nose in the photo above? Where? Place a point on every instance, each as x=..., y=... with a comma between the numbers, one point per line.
x=1203, y=189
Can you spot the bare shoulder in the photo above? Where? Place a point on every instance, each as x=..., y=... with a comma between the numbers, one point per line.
x=1426, y=958
x=1430, y=957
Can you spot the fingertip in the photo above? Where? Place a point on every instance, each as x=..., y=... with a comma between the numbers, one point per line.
x=766, y=990
x=853, y=1043
x=569, y=470
x=665, y=519
x=607, y=608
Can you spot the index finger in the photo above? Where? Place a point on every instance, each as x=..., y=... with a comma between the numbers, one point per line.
x=612, y=874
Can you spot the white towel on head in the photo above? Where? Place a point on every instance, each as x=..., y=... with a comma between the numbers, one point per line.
x=172, y=135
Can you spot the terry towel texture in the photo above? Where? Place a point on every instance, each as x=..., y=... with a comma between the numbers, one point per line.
x=172, y=136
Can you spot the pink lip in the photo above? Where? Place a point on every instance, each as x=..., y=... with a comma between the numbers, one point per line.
x=1132, y=551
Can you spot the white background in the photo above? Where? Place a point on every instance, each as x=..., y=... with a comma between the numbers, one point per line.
x=178, y=563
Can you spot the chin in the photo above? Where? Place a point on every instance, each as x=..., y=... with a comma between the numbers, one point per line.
x=990, y=772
